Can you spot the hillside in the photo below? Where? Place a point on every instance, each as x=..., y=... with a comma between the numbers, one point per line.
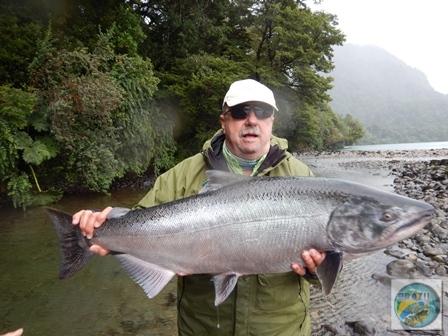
x=393, y=101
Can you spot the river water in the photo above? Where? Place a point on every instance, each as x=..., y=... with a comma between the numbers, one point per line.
x=100, y=300
x=401, y=146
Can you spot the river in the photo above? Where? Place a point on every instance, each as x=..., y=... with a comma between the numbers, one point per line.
x=400, y=146
x=100, y=300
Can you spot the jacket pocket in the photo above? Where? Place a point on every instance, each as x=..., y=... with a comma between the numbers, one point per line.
x=278, y=291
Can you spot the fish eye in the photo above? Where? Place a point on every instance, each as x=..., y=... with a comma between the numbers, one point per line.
x=387, y=217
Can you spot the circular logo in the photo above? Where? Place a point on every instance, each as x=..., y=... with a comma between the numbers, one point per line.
x=417, y=305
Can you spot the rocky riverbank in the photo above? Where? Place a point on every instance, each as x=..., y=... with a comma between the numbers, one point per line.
x=421, y=175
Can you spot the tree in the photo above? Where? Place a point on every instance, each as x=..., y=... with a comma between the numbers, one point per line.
x=176, y=30
x=18, y=37
x=280, y=43
x=292, y=47
x=97, y=104
x=112, y=78
x=195, y=92
x=19, y=151
x=355, y=130
x=291, y=51
x=85, y=18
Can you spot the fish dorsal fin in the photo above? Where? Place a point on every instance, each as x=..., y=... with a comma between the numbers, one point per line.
x=218, y=179
x=224, y=285
x=329, y=269
x=150, y=277
x=117, y=212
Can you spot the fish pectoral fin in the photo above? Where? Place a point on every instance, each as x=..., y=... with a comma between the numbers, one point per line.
x=150, y=277
x=329, y=269
x=224, y=285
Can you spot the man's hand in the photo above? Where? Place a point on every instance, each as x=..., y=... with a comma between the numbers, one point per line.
x=88, y=221
x=312, y=259
x=18, y=332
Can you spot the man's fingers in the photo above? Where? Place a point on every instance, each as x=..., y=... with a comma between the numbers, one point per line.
x=312, y=259
x=316, y=256
x=89, y=221
x=86, y=223
x=99, y=250
x=309, y=262
x=102, y=217
x=77, y=217
x=18, y=332
x=298, y=269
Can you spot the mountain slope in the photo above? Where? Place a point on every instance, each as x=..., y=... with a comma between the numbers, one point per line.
x=393, y=101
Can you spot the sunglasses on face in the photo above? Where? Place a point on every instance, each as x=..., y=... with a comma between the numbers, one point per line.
x=242, y=111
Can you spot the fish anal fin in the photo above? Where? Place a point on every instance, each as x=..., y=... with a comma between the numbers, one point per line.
x=224, y=285
x=329, y=269
x=150, y=277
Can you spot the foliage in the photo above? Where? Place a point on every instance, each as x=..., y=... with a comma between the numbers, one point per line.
x=17, y=147
x=113, y=79
x=19, y=189
x=291, y=55
x=259, y=40
x=97, y=105
x=16, y=106
x=145, y=130
x=33, y=151
x=86, y=17
x=320, y=128
x=355, y=130
x=198, y=87
x=18, y=37
x=176, y=30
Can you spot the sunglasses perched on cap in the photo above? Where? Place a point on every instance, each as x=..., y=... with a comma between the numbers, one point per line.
x=242, y=111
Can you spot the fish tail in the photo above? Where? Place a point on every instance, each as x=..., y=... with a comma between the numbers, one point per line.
x=74, y=246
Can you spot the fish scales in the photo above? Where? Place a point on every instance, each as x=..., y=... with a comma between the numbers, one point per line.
x=245, y=225
x=189, y=229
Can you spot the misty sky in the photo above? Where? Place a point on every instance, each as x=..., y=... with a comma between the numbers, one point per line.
x=414, y=31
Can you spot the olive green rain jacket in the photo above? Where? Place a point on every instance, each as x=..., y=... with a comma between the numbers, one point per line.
x=263, y=304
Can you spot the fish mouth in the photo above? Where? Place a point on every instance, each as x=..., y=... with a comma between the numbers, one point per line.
x=393, y=235
x=411, y=227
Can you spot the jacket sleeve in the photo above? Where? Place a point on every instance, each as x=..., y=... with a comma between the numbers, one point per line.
x=298, y=168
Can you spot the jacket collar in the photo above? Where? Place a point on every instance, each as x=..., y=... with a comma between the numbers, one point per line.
x=212, y=151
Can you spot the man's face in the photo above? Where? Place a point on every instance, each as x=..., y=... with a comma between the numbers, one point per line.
x=248, y=138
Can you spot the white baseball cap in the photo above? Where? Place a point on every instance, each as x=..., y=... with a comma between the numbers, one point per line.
x=249, y=90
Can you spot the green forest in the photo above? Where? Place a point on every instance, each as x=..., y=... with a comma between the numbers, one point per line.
x=93, y=90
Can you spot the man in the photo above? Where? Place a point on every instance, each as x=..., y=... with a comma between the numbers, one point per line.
x=263, y=304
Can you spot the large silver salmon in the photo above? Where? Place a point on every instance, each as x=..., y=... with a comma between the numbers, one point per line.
x=246, y=225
